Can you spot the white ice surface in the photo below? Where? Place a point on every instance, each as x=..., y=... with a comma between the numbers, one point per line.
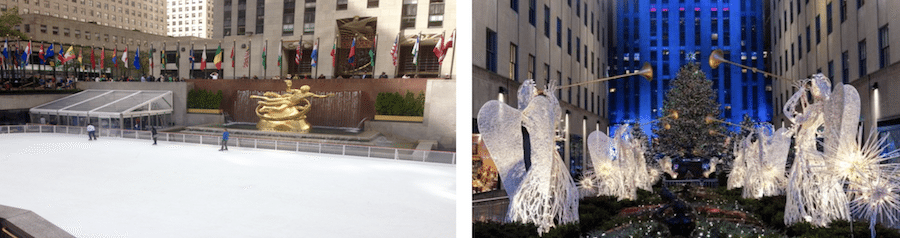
x=128, y=188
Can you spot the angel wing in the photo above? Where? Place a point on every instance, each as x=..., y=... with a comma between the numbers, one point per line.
x=501, y=129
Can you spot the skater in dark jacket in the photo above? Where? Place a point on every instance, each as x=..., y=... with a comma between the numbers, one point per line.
x=153, y=133
x=224, y=140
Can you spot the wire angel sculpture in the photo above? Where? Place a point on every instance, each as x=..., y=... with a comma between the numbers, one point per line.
x=760, y=164
x=619, y=165
x=522, y=144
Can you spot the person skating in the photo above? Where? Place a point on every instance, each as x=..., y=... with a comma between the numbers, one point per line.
x=224, y=140
x=153, y=134
x=91, y=132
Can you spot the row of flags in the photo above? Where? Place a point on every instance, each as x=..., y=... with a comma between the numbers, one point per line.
x=64, y=56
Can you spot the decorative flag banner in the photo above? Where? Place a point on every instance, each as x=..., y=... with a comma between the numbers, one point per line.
x=352, y=57
x=70, y=54
x=191, y=58
x=203, y=59
x=125, y=57
x=415, y=51
x=266, y=45
x=162, y=57
x=93, y=62
x=315, y=54
x=48, y=57
x=372, y=53
x=247, y=58
x=137, y=58
x=115, y=51
x=280, y=50
x=26, y=55
x=438, y=48
x=62, y=54
x=446, y=46
x=232, y=54
x=394, y=50
x=298, y=55
x=150, y=57
x=80, y=54
x=102, y=56
x=41, y=54
x=218, y=59
x=333, y=48
x=6, y=50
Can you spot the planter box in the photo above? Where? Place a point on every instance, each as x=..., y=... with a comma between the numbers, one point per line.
x=398, y=118
x=206, y=111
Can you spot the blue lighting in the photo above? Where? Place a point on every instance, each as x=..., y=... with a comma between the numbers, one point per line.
x=669, y=34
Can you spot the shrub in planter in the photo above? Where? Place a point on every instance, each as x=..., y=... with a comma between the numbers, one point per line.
x=203, y=99
x=395, y=104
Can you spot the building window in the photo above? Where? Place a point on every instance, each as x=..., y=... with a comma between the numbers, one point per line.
x=569, y=41
x=372, y=4
x=44, y=29
x=408, y=19
x=860, y=3
x=884, y=55
x=577, y=49
x=287, y=22
x=530, y=73
x=436, y=13
x=77, y=33
x=800, y=46
x=828, y=18
x=818, y=30
x=491, y=48
x=260, y=16
x=808, y=39
x=546, y=21
x=55, y=31
x=532, y=18
x=341, y=5
x=862, y=58
x=578, y=8
x=65, y=31
x=558, y=32
x=831, y=70
x=845, y=67
x=514, y=4
x=309, y=17
x=843, y=10
x=513, y=62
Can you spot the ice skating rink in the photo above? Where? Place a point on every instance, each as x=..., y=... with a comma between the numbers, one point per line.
x=118, y=187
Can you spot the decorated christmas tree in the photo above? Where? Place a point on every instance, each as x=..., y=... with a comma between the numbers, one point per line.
x=695, y=131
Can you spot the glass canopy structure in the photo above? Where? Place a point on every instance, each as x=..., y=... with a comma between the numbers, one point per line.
x=126, y=109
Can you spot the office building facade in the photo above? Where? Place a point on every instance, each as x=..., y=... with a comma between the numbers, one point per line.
x=146, y=16
x=560, y=41
x=671, y=33
x=189, y=18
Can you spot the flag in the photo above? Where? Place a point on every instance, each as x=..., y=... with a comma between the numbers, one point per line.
x=62, y=54
x=102, y=56
x=352, y=57
x=415, y=51
x=232, y=54
x=438, y=48
x=218, y=59
x=48, y=57
x=41, y=53
x=26, y=54
x=264, y=54
x=6, y=50
x=137, y=58
x=93, y=62
x=315, y=54
x=125, y=57
x=80, y=54
x=446, y=46
x=333, y=48
x=70, y=54
x=372, y=53
x=150, y=57
x=394, y=50
x=191, y=58
x=115, y=51
x=247, y=58
x=203, y=59
x=299, y=54
x=280, y=50
x=162, y=57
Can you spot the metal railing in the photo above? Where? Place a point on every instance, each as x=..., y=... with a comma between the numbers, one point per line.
x=712, y=183
x=284, y=145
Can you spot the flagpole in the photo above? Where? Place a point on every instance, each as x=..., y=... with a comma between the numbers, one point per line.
x=281, y=58
x=452, y=56
x=375, y=53
x=249, y=58
x=300, y=53
x=265, y=61
x=233, y=68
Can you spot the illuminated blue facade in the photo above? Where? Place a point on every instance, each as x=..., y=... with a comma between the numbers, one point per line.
x=667, y=33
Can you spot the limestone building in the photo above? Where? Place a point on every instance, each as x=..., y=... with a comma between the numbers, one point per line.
x=249, y=26
x=189, y=18
x=147, y=16
x=563, y=41
x=849, y=41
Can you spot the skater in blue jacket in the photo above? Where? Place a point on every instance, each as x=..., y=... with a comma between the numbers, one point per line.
x=224, y=140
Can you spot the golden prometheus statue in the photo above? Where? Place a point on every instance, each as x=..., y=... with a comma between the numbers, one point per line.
x=286, y=112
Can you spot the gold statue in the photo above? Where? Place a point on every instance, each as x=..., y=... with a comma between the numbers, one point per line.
x=285, y=112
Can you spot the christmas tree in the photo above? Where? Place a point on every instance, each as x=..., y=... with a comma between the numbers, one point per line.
x=696, y=130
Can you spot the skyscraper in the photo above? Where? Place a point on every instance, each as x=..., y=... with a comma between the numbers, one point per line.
x=671, y=33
